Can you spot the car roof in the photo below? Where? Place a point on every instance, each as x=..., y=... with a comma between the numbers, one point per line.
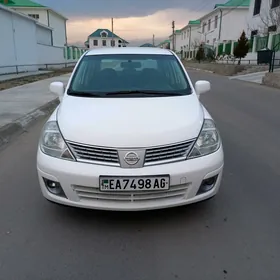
x=129, y=50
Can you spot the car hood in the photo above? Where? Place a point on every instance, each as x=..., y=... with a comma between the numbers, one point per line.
x=130, y=122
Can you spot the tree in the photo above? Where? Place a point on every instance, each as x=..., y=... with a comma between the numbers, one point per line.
x=242, y=47
x=200, y=53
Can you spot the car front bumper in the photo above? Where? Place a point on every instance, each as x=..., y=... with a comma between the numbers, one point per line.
x=80, y=183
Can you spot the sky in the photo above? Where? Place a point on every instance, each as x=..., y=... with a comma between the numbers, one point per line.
x=134, y=20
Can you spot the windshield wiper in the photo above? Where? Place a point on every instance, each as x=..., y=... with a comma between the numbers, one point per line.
x=82, y=94
x=145, y=92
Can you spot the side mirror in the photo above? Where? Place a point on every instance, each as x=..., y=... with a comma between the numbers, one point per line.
x=57, y=88
x=202, y=86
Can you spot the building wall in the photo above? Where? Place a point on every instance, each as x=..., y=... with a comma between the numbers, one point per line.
x=232, y=31
x=43, y=17
x=18, y=42
x=108, y=42
x=50, y=54
x=25, y=44
x=234, y=21
x=59, y=29
x=51, y=19
x=212, y=35
x=43, y=35
x=254, y=21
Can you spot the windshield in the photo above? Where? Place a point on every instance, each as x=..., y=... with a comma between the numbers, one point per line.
x=134, y=74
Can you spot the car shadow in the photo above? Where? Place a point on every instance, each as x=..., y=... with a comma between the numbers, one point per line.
x=111, y=219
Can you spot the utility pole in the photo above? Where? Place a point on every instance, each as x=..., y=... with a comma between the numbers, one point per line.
x=173, y=35
x=153, y=39
x=112, y=33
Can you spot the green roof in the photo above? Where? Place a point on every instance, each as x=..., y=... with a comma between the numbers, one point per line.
x=163, y=42
x=194, y=22
x=21, y=3
x=234, y=3
x=97, y=33
x=178, y=31
x=147, y=45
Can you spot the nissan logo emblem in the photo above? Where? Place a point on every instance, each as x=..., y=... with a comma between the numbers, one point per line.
x=131, y=158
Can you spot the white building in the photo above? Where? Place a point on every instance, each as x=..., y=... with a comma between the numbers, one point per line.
x=43, y=15
x=175, y=44
x=26, y=44
x=225, y=22
x=189, y=39
x=264, y=17
x=104, y=38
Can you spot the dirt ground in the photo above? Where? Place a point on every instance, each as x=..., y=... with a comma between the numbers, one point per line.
x=30, y=79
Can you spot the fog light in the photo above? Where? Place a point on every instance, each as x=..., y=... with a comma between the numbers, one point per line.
x=207, y=185
x=54, y=187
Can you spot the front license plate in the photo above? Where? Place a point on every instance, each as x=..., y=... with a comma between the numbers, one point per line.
x=130, y=184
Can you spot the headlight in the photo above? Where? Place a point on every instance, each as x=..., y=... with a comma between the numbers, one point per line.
x=52, y=142
x=208, y=140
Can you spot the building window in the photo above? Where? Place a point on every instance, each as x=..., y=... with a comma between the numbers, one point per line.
x=103, y=34
x=95, y=42
x=104, y=43
x=209, y=24
x=113, y=43
x=207, y=41
x=216, y=21
x=275, y=3
x=272, y=28
x=35, y=16
x=120, y=46
x=257, y=7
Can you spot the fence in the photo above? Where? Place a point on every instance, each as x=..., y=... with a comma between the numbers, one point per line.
x=35, y=67
x=73, y=53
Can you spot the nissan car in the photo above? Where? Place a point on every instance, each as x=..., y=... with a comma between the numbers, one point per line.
x=130, y=133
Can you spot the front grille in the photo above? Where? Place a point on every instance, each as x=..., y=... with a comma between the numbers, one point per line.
x=87, y=153
x=168, y=153
x=94, y=194
x=110, y=156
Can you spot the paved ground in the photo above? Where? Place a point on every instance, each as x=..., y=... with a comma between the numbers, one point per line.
x=234, y=236
x=17, y=102
x=252, y=77
x=20, y=75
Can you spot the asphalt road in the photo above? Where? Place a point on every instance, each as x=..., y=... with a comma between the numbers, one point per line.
x=234, y=236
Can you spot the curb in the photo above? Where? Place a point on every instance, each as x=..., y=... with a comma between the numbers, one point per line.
x=19, y=126
x=198, y=69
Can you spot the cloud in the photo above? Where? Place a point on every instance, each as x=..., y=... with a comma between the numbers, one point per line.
x=132, y=28
x=123, y=8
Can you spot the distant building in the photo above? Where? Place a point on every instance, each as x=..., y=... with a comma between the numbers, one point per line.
x=164, y=44
x=147, y=45
x=104, y=38
x=175, y=41
x=189, y=39
x=44, y=15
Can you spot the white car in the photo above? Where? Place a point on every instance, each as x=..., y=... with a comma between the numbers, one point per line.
x=132, y=137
